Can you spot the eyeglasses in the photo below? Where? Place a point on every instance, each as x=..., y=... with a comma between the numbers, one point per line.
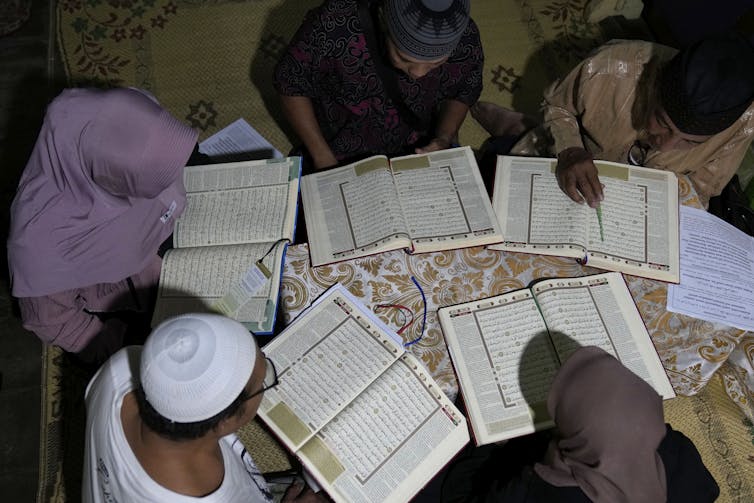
x=637, y=154
x=270, y=378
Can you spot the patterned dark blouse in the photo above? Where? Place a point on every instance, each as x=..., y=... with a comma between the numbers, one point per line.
x=329, y=62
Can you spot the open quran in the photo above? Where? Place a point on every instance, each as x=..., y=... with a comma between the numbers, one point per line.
x=635, y=231
x=507, y=349
x=364, y=416
x=230, y=242
x=423, y=203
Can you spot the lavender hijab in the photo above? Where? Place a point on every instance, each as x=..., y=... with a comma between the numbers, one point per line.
x=609, y=424
x=100, y=192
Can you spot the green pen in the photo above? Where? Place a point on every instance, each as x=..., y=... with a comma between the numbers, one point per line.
x=599, y=219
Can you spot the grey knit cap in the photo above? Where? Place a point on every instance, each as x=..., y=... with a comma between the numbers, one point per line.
x=426, y=29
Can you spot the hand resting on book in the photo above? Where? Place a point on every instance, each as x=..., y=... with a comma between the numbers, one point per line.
x=577, y=176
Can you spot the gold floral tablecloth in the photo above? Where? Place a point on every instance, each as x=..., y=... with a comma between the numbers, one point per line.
x=691, y=350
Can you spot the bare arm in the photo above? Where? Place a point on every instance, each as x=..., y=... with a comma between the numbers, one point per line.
x=446, y=133
x=563, y=104
x=300, y=114
x=299, y=492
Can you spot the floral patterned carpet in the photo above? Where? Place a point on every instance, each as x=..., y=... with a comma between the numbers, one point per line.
x=210, y=61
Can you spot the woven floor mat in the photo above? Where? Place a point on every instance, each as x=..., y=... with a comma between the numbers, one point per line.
x=723, y=436
x=210, y=62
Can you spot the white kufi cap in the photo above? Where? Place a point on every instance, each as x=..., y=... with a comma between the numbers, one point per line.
x=193, y=366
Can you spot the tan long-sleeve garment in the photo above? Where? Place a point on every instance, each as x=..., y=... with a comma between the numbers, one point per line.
x=603, y=106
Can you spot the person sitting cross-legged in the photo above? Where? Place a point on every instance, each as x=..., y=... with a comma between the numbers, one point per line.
x=646, y=104
x=610, y=444
x=161, y=419
x=371, y=77
x=96, y=202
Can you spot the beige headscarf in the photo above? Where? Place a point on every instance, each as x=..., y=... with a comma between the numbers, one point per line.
x=609, y=424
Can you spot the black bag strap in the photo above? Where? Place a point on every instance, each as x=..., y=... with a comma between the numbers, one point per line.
x=733, y=207
x=367, y=18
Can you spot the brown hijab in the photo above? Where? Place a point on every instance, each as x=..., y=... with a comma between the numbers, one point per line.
x=609, y=424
